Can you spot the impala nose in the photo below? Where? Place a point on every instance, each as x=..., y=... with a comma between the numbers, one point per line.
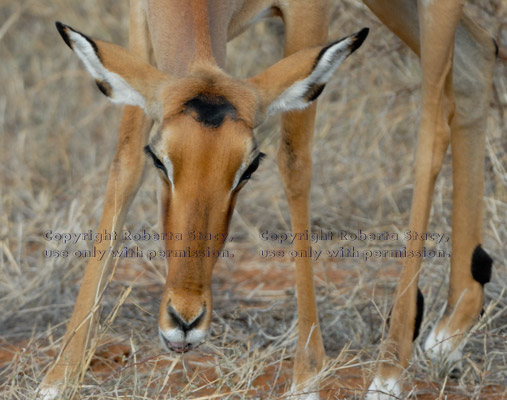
x=181, y=323
x=183, y=334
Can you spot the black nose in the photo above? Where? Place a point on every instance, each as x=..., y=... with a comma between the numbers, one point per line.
x=179, y=322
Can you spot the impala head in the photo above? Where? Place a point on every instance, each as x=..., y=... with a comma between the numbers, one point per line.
x=205, y=152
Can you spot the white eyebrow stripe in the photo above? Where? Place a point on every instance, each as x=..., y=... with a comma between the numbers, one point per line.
x=169, y=168
x=248, y=158
x=238, y=175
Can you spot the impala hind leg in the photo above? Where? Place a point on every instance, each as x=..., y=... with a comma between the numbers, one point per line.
x=472, y=80
x=306, y=25
x=437, y=22
x=470, y=264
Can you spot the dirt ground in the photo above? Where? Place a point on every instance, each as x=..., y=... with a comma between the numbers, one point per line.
x=249, y=353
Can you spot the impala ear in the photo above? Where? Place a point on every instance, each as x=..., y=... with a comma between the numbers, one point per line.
x=122, y=77
x=296, y=81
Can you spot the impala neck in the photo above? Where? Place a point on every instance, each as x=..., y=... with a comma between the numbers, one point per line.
x=188, y=32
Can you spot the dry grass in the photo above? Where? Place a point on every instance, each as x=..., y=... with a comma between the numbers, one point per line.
x=57, y=138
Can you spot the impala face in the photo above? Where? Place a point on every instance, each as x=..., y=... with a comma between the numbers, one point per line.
x=205, y=152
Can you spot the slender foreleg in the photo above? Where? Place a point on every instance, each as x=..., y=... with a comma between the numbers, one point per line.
x=306, y=25
x=124, y=179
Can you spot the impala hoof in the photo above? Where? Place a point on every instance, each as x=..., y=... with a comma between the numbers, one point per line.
x=441, y=348
x=307, y=393
x=384, y=389
x=48, y=393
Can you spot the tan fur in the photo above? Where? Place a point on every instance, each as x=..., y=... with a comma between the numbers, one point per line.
x=454, y=110
x=187, y=41
x=212, y=81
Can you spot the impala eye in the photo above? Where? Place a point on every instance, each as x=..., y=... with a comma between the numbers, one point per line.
x=156, y=161
x=252, y=167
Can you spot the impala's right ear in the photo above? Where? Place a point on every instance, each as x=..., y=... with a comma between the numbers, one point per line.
x=122, y=77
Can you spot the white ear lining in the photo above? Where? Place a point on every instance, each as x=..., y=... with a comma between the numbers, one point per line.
x=331, y=60
x=296, y=96
x=121, y=92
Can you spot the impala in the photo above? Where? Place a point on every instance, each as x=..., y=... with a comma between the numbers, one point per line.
x=204, y=149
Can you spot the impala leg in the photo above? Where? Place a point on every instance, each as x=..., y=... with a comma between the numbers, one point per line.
x=470, y=264
x=438, y=22
x=474, y=55
x=124, y=179
x=295, y=165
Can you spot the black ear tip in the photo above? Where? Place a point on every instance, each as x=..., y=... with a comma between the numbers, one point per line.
x=62, y=30
x=359, y=38
x=363, y=33
x=61, y=27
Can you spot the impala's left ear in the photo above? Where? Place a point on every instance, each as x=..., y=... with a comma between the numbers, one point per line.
x=121, y=76
x=296, y=81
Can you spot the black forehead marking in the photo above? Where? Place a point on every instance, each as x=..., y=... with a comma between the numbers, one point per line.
x=210, y=110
